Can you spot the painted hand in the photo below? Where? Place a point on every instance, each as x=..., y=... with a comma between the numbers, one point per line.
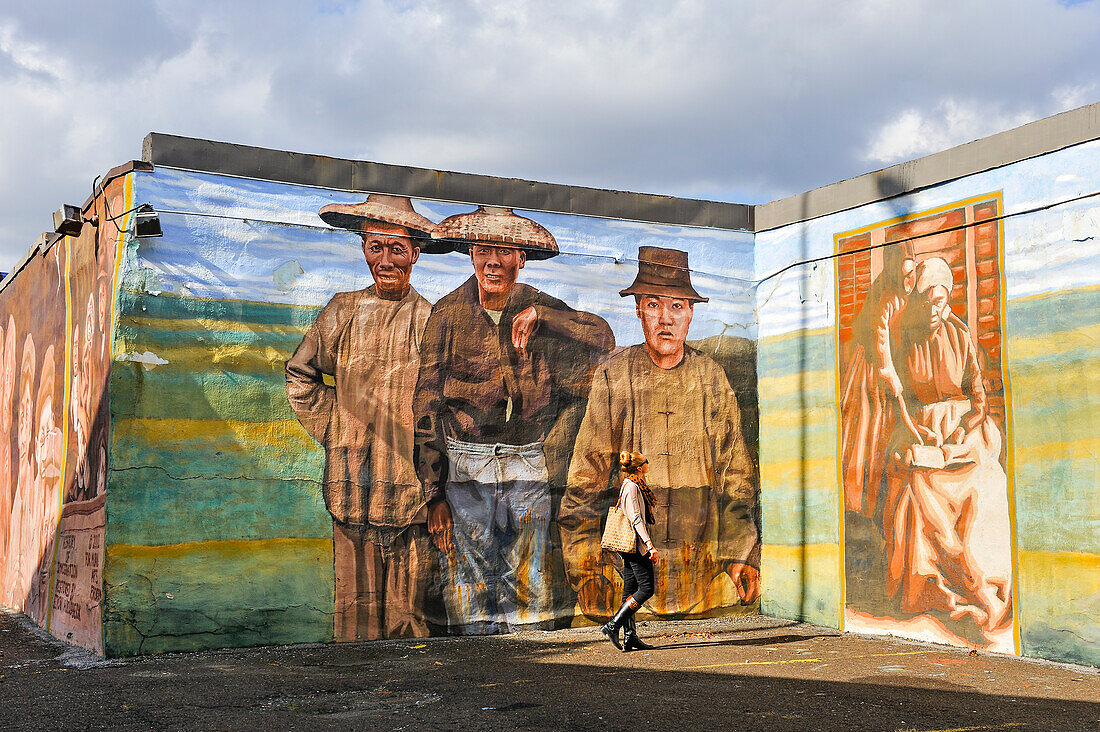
x=974, y=421
x=746, y=578
x=440, y=525
x=928, y=437
x=523, y=327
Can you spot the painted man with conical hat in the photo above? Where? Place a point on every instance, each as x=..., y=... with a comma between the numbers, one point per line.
x=367, y=343
x=674, y=405
x=502, y=366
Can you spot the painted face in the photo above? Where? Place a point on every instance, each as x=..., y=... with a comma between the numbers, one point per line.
x=25, y=434
x=7, y=376
x=665, y=322
x=101, y=471
x=496, y=268
x=908, y=275
x=938, y=306
x=390, y=254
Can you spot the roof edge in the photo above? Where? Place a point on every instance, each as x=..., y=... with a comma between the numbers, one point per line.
x=244, y=161
x=1034, y=139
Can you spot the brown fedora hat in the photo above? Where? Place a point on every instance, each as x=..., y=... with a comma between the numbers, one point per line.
x=663, y=272
x=380, y=208
x=498, y=227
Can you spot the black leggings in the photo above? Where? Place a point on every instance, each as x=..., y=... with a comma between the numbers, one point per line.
x=637, y=577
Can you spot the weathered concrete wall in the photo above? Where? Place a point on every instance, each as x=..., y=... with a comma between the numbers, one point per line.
x=218, y=532
x=1014, y=565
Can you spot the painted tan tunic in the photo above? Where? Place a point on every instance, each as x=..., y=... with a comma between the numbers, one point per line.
x=686, y=421
x=371, y=347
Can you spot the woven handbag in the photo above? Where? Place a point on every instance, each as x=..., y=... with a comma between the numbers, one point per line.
x=618, y=533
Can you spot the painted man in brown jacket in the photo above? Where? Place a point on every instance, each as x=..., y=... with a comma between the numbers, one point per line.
x=501, y=364
x=368, y=342
x=674, y=405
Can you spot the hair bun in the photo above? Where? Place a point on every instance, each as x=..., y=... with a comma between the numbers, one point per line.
x=624, y=459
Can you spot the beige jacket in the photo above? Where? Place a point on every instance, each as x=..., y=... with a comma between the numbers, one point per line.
x=633, y=506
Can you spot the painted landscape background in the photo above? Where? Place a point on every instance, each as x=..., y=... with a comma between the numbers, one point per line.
x=217, y=533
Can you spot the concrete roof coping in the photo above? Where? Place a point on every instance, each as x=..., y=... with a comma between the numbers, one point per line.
x=358, y=175
x=1037, y=138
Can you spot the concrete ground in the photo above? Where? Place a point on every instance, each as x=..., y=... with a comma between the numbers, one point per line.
x=732, y=673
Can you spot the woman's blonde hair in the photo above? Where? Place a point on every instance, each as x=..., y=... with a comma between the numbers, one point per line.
x=630, y=462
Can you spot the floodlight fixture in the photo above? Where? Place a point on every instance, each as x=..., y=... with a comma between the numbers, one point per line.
x=146, y=222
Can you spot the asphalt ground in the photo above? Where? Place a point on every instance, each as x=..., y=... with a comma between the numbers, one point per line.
x=749, y=672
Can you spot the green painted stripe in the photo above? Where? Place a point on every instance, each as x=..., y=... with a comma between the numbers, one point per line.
x=143, y=304
x=283, y=453
x=1057, y=505
x=788, y=355
x=1059, y=602
x=139, y=338
x=164, y=391
x=147, y=506
x=1061, y=311
x=783, y=509
x=200, y=596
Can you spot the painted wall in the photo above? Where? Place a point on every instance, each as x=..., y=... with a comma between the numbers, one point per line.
x=226, y=528
x=56, y=316
x=998, y=547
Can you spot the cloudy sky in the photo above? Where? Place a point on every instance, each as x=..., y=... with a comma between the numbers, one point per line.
x=731, y=100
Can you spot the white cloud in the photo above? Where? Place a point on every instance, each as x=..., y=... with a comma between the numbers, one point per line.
x=915, y=133
x=695, y=97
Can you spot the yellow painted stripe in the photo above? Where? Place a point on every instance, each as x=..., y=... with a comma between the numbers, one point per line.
x=820, y=472
x=1050, y=344
x=756, y=663
x=234, y=546
x=789, y=383
x=199, y=357
x=794, y=419
x=1006, y=725
x=228, y=324
x=1086, y=449
x=227, y=433
x=796, y=334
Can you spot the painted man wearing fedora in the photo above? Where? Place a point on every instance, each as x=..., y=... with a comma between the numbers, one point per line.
x=501, y=363
x=673, y=404
x=368, y=342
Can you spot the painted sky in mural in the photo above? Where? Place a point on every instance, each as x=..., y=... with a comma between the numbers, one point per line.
x=1031, y=267
x=598, y=255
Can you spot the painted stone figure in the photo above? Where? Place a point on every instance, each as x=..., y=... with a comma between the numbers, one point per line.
x=47, y=486
x=20, y=532
x=675, y=405
x=501, y=363
x=368, y=342
x=946, y=517
x=7, y=393
x=870, y=387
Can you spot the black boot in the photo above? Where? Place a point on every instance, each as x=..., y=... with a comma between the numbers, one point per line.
x=631, y=641
x=611, y=627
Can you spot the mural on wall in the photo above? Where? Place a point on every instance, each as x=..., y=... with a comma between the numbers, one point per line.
x=927, y=526
x=32, y=397
x=443, y=423
x=452, y=382
x=76, y=608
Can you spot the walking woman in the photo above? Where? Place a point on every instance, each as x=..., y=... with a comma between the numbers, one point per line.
x=636, y=501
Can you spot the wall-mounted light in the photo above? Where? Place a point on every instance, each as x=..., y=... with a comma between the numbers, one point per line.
x=146, y=222
x=67, y=221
